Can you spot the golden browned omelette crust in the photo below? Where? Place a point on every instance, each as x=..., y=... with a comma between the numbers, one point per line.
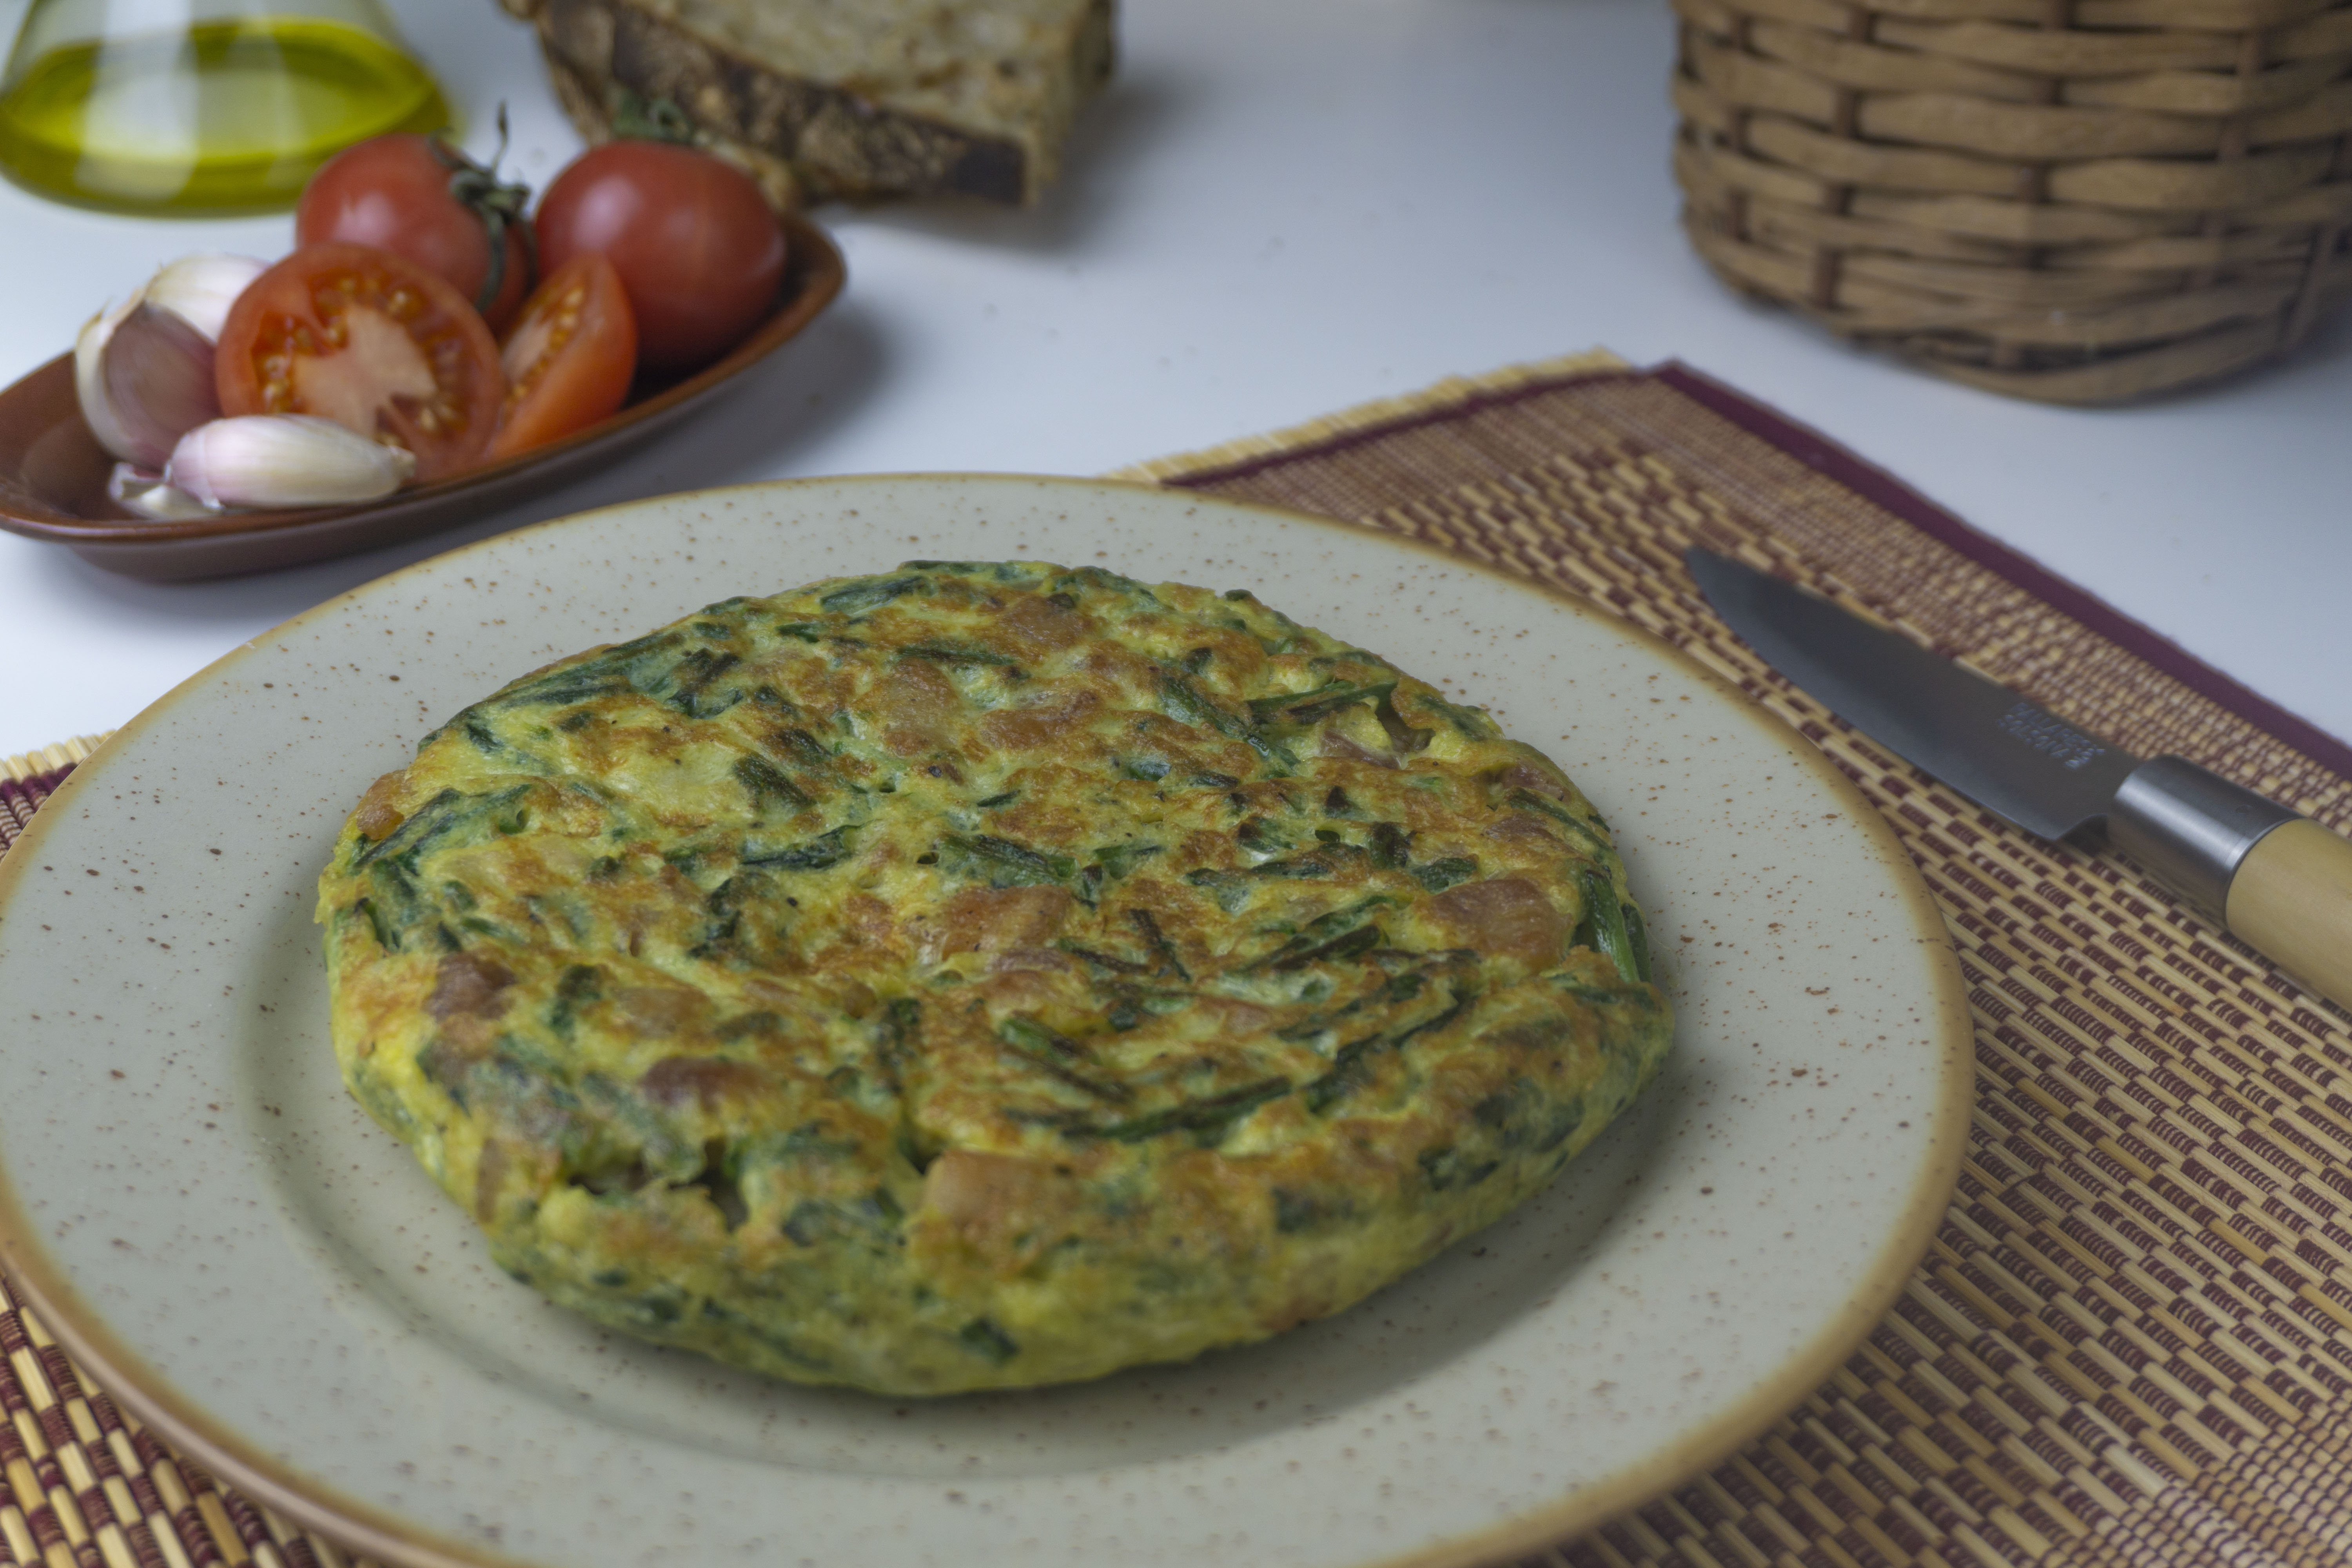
x=980, y=975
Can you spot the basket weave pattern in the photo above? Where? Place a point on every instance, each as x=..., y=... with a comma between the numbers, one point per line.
x=2080, y=201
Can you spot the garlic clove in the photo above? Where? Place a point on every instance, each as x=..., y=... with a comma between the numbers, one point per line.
x=143, y=369
x=284, y=459
x=157, y=375
x=200, y=288
x=144, y=491
x=98, y=409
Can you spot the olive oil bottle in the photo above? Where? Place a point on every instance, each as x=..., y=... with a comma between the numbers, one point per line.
x=190, y=108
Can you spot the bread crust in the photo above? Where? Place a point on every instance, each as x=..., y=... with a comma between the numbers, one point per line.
x=816, y=111
x=980, y=974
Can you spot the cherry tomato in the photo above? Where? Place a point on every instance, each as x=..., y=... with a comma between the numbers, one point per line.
x=401, y=194
x=569, y=359
x=371, y=340
x=692, y=238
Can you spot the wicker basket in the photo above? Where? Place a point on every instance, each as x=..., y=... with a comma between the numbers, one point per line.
x=2082, y=200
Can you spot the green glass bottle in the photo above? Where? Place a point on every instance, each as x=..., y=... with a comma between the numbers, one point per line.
x=195, y=108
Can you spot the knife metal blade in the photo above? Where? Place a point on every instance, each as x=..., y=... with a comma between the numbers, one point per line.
x=2194, y=830
x=2003, y=753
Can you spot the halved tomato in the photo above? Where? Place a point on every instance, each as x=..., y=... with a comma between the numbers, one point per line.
x=691, y=236
x=570, y=358
x=371, y=341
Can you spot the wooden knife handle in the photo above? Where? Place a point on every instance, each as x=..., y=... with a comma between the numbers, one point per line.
x=2291, y=898
x=2280, y=881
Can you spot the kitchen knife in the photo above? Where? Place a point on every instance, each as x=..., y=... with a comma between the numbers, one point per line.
x=2280, y=881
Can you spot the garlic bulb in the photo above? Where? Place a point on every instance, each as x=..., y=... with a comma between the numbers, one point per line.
x=284, y=459
x=145, y=492
x=143, y=369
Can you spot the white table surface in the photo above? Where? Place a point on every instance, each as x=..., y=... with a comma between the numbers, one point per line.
x=1281, y=207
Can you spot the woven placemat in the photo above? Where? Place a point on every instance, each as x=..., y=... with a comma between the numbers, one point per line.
x=2131, y=1343
x=26, y=781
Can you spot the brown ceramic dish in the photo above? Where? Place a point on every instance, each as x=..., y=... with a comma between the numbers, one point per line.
x=53, y=473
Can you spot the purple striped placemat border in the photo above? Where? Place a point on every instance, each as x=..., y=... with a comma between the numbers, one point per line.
x=1826, y=458
x=19, y=798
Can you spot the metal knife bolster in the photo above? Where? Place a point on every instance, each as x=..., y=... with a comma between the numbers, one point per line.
x=2191, y=827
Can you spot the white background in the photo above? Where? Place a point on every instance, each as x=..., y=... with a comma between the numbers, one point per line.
x=1282, y=207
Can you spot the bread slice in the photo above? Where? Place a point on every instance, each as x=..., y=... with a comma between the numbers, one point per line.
x=858, y=98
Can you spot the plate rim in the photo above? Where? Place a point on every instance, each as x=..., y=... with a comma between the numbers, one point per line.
x=124, y=1375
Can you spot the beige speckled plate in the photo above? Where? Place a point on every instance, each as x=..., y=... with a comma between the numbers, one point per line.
x=212, y=1227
